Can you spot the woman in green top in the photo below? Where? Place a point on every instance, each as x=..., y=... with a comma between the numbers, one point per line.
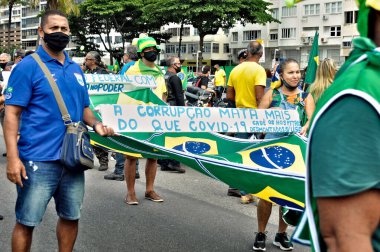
x=289, y=96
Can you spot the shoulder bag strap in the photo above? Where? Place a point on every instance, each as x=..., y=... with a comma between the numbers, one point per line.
x=57, y=94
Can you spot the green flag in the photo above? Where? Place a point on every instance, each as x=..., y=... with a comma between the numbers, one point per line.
x=313, y=61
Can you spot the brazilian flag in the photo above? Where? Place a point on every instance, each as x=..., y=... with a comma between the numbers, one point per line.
x=272, y=170
x=313, y=61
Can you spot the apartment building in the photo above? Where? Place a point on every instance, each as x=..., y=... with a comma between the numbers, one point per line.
x=216, y=48
x=29, y=24
x=15, y=39
x=335, y=21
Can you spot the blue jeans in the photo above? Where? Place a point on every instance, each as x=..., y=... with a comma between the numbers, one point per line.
x=119, y=166
x=48, y=180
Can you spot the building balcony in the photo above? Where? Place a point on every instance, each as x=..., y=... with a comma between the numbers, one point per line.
x=30, y=37
x=32, y=25
x=31, y=14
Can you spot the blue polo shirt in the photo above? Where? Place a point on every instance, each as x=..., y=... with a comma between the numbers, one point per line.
x=42, y=128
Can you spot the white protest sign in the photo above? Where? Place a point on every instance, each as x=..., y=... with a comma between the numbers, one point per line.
x=114, y=83
x=142, y=118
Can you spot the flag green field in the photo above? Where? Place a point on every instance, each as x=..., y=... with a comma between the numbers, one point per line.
x=313, y=61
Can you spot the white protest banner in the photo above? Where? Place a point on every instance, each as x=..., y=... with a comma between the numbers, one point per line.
x=141, y=118
x=114, y=83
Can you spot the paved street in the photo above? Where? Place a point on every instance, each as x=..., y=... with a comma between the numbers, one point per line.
x=196, y=216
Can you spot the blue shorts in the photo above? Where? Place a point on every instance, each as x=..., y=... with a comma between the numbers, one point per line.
x=46, y=180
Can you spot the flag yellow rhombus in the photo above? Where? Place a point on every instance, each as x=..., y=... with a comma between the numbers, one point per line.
x=316, y=59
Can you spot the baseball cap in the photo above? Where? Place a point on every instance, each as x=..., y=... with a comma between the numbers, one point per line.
x=145, y=42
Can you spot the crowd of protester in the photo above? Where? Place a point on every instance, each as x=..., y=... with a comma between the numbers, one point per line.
x=248, y=86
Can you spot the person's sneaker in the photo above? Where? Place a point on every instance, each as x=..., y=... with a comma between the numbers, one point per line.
x=233, y=192
x=131, y=200
x=137, y=176
x=153, y=196
x=103, y=167
x=282, y=241
x=113, y=176
x=259, y=244
x=1, y=217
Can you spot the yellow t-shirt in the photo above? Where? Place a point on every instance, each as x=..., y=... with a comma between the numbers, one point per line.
x=160, y=90
x=220, y=77
x=243, y=79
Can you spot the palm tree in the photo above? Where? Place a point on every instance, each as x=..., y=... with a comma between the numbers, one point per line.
x=10, y=5
x=66, y=6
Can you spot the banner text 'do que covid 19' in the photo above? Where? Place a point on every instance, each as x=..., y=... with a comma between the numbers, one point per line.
x=145, y=118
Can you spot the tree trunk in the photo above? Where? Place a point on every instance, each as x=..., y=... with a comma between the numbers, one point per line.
x=201, y=40
x=108, y=29
x=180, y=40
x=11, y=3
x=105, y=46
x=119, y=28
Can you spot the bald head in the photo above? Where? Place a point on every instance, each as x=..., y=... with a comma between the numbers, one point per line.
x=255, y=49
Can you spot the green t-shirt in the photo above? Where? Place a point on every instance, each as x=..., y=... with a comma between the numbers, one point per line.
x=346, y=151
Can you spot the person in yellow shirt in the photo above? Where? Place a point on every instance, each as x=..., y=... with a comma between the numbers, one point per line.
x=219, y=80
x=247, y=81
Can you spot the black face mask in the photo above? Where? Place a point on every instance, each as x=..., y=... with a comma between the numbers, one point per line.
x=178, y=69
x=2, y=65
x=56, y=41
x=150, y=56
x=288, y=86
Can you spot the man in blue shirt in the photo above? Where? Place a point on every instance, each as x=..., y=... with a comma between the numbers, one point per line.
x=33, y=161
x=130, y=58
